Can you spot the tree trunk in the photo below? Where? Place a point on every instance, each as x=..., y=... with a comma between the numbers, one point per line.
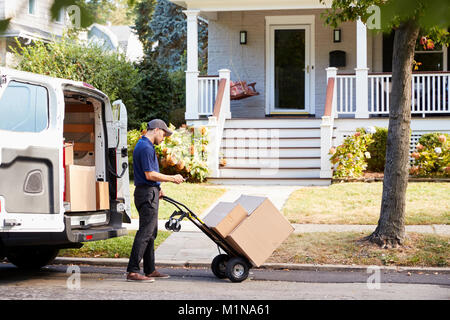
x=390, y=231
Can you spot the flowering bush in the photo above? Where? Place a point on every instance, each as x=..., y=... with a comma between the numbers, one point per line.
x=377, y=148
x=349, y=159
x=184, y=152
x=432, y=156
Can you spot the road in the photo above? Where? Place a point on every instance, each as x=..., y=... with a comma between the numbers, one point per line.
x=93, y=283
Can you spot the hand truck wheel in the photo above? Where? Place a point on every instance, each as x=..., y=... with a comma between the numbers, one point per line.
x=219, y=265
x=237, y=269
x=176, y=227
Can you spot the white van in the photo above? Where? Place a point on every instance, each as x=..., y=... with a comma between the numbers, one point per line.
x=39, y=116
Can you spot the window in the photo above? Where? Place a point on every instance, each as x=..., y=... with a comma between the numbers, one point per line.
x=434, y=58
x=61, y=15
x=32, y=6
x=24, y=108
x=430, y=58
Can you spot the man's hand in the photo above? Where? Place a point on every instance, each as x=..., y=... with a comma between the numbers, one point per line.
x=161, y=194
x=178, y=178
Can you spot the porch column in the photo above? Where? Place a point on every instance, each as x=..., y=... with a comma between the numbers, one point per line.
x=192, y=65
x=361, y=70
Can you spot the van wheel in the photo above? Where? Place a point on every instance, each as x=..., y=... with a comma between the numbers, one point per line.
x=32, y=258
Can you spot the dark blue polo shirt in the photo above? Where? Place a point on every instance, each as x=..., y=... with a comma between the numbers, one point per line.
x=144, y=159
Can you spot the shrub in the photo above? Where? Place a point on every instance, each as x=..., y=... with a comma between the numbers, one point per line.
x=350, y=157
x=432, y=156
x=377, y=150
x=184, y=152
x=70, y=58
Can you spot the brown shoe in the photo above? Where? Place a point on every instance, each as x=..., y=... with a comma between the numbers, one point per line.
x=133, y=276
x=157, y=274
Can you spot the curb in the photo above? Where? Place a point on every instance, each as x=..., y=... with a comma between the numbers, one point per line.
x=123, y=262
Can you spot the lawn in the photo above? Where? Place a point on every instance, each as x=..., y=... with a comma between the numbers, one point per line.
x=197, y=197
x=344, y=248
x=119, y=247
x=359, y=203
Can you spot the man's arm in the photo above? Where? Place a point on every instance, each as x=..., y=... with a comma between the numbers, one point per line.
x=159, y=177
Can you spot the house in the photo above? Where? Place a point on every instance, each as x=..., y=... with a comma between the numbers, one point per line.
x=316, y=85
x=121, y=38
x=30, y=20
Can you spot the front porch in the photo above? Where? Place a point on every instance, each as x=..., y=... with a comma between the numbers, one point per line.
x=304, y=106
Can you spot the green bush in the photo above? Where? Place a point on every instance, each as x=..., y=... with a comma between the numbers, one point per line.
x=184, y=152
x=377, y=149
x=133, y=137
x=432, y=156
x=350, y=157
x=69, y=58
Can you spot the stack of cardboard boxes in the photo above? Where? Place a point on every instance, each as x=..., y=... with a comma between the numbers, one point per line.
x=82, y=191
x=252, y=225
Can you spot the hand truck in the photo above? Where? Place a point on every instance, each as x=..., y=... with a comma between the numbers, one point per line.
x=231, y=264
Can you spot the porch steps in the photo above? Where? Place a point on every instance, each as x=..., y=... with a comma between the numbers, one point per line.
x=271, y=152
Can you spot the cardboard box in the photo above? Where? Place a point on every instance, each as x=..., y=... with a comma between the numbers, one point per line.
x=80, y=188
x=224, y=217
x=102, y=195
x=262, y=232
x=68, y=154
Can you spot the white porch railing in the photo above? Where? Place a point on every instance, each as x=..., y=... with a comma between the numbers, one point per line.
x=430, y=93
x=207, y=93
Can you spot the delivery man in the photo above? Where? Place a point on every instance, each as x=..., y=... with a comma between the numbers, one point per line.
x=147, y=180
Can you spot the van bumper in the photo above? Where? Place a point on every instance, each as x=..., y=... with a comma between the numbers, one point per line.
x=68, y=238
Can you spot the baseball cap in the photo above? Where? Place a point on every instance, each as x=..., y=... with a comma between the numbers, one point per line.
x=160, y=124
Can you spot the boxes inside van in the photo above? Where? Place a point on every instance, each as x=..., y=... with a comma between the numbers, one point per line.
x=82, y=155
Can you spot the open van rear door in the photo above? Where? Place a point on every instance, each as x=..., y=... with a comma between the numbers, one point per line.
x=30, y=153
x=119, y=124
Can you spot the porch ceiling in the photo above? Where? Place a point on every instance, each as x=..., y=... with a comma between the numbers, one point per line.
x=239, y=5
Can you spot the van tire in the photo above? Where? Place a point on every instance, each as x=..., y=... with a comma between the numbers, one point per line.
x=32, y=258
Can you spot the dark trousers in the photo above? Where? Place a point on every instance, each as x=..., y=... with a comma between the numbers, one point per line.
x=146, y=200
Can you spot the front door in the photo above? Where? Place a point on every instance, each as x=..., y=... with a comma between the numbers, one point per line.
x=289, y=69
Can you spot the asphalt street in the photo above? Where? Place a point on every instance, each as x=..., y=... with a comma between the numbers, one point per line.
x=61, y=282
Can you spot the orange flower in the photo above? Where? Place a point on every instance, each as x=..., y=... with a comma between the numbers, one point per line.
x=442, y=138
x=415, y=155
x=180, y=165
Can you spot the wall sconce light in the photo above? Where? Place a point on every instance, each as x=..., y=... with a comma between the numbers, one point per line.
x=243, y=37
x=337, y=35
